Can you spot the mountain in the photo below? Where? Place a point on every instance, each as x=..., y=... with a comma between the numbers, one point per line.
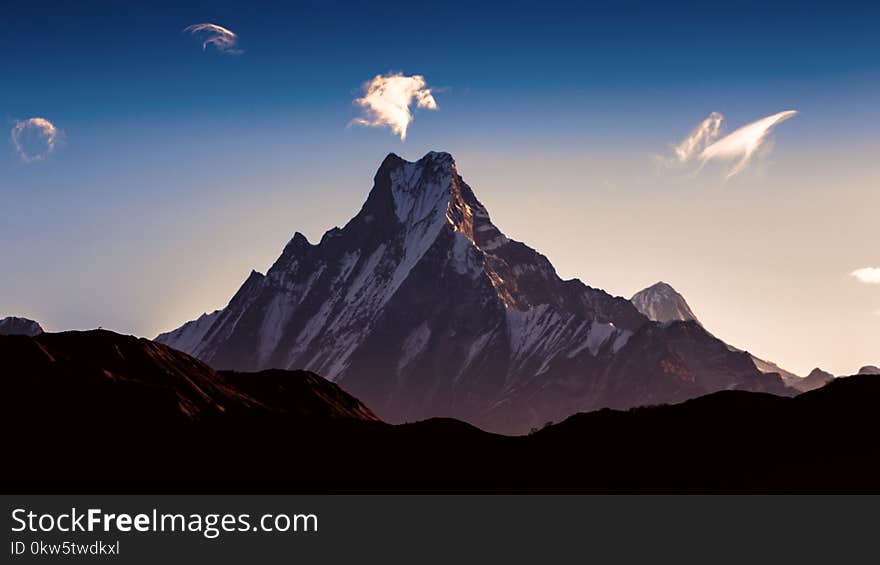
x=422, y=307
x=816, y=379
x=131, y=415
x=19, y=326
x=127, y=381
x=869, y=370
x=661, y=303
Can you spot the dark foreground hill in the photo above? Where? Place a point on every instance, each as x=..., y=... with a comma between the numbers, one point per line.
x=99, y=412
x=110, y=380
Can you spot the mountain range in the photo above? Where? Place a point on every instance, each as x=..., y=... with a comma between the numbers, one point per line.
x=422, y=307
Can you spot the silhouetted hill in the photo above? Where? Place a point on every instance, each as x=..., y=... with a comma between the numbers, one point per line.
x=98, y=412
x=101, y=375
x=122, y=380
x=302, y=393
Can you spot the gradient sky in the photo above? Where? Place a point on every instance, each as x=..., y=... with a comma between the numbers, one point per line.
x=180, y=169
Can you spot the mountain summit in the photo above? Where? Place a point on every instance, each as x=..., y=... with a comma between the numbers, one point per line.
x=13, y=325
x=422, y=307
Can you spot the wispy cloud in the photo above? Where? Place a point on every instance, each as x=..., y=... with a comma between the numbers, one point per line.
x=222, y=39
x=743, y=143
x=867, y=275
x=34, y=139
x=702, y=144
x=388, y=98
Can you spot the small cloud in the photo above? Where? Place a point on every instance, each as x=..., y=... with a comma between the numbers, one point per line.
x=867, y=275
x=387, y=101
x=702, y=144
x=219, y=37
x=34, y=139
x=699, y=138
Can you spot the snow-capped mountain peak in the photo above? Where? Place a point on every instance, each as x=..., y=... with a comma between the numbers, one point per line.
x=662, y=303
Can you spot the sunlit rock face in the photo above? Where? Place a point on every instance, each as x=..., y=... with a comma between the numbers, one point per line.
x=422, y=307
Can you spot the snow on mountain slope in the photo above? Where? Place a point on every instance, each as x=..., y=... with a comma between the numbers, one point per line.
x=422, y=307
x=188, y=336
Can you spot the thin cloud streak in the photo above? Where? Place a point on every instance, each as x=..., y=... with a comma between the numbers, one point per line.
x=224, y=40
x=34, y=139
x=867, y=275
x=703, y=145
x=388, y=98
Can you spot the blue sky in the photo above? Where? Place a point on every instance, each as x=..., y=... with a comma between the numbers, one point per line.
x=180, y=169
